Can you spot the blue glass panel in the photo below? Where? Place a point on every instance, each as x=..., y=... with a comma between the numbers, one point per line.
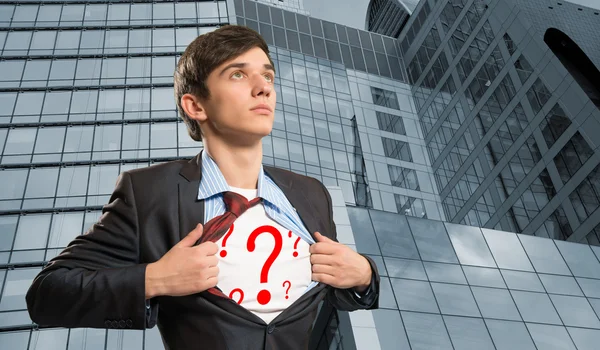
x=544, y=255
x=522, y=281
x=536, y=307
x=426, y=331
x=484, y=277
x=560, y=284
x=405, y=268
x=468, y=333
x=432, y=240
x=448, y=273
x=414, y=295
x=393, y=235
x=575, y=311
x=469, y=245
x=580, y=259
x=510, y=335
x=496, y=303
x=455, y=300
x=507, y=250
x=390, y=329
x=591, y=288
x=549, y=337
x=584, y=339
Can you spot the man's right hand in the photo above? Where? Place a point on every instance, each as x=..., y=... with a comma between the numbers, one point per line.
x=185, y=269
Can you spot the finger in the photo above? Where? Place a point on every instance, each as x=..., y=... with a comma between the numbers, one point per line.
x=322, y=248
x=192, y=237
x=321, y=238
x=208, y=248
x=322, y=259
x=323, y=278
x=326, y=269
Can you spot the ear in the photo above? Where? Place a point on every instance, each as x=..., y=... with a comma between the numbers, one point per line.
x=193, y=107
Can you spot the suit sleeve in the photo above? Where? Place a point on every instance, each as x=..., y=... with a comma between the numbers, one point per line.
x=97, y=281
x=347, y=299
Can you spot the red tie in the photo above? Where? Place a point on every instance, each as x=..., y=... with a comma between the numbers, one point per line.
x=216, y=227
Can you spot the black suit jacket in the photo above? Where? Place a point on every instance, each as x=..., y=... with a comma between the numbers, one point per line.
x=99, y=279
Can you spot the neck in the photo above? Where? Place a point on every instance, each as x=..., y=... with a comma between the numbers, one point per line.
x=240, y=165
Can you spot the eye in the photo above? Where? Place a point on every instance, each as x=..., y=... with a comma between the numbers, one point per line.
x=269, y=77
x=237, y=75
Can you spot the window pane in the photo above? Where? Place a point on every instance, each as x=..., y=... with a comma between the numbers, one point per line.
x=32, y=232
x=42, y=41
x=163, y=135
x=73, y=181
x=65, y=227
x=15, y=288
x=50, y=140
x=41, y=182
x=20, y=141
x=13, y=183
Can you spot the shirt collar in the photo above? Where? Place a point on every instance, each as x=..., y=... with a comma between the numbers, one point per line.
x=213, y=182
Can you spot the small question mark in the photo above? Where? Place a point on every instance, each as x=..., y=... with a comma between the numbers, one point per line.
x=264, y=296
x=296, y=247
x=241, y=295
x=288, y=288
x=223, y=252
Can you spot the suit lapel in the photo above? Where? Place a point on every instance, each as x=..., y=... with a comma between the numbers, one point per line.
x=191, y=210
x=298, y=199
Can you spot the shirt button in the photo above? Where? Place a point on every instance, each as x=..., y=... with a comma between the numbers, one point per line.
x=270, y=329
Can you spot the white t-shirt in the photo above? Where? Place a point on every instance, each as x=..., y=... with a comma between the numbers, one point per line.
x=245, y=275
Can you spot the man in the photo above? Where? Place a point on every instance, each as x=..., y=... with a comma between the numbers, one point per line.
x=149, y=260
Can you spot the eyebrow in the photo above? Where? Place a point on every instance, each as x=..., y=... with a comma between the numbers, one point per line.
x=267, y=66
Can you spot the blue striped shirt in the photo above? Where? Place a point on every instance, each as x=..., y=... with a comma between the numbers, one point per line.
x=277, y=207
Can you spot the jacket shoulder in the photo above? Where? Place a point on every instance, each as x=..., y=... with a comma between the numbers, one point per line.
x=158, y=172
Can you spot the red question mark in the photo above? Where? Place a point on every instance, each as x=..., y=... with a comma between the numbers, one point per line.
x=288, y=288
x=241, y=295
x=264, y=296
x=296, y=246
x=223, y=252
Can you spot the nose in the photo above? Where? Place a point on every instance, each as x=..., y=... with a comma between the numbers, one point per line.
x=261, y=87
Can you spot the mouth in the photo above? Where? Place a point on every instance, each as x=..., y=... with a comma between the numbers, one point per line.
x=262, y=109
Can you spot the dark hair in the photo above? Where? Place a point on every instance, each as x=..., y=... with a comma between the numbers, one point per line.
x=202, y=56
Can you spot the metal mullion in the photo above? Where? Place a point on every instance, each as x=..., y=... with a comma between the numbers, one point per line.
x=86, y=87
x=87, y=122
x=90, y=162
x=106, y=27
x=85, y=56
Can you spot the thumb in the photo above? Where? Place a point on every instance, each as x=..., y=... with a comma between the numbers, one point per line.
x=321, y=238
x=192, y=237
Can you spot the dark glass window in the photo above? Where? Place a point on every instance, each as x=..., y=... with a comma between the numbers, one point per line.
x=403, y=177
x=290, y=20
x=396, y=149
x=391, y=123
x=554, y=124
x=410, y=206
x=581, y=68
x=303, y=24
x=315, y=27
x=385, y=98
x=572, y=156
x=277, y=16
x=538, y=95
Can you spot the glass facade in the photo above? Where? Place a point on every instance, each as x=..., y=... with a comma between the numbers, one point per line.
x=510, y=128
x=431, y=141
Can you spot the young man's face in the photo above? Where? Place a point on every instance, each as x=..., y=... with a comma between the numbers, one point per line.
x=241, y=106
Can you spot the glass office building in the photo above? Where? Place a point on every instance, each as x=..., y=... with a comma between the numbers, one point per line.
x=433, y=136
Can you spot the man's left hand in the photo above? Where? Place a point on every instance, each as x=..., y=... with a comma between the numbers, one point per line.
x=338, y=265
